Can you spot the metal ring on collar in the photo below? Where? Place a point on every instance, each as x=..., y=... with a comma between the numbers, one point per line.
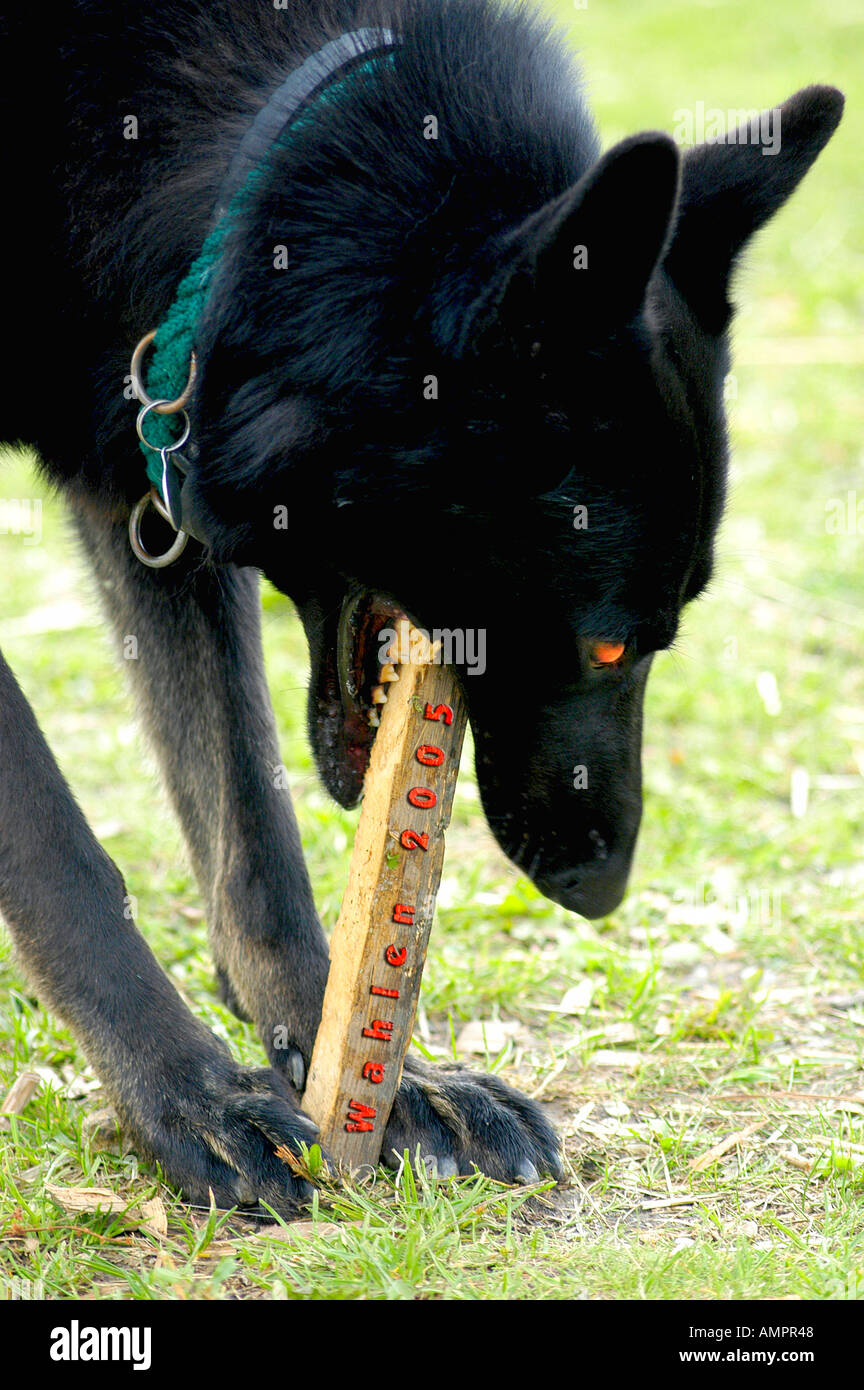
x=156, y=562
x=161, y=407
x=159, y=448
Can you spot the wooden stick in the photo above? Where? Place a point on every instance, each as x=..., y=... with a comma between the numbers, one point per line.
x=19, y=1095
x=379, y=942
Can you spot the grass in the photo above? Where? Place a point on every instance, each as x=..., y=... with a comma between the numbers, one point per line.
x=724, y=998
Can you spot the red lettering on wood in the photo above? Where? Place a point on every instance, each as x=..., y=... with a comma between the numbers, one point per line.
x=387, y=993
x=429, y=755
x=439, y=712
x=422, y=797
x=396, y=955
x=380, y=1029
x=360, y=1117
x=411, y=839
x=374, y=1072
x=404, y=913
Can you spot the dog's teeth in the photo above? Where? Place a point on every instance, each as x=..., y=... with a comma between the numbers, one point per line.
x=387, y=673
x=374, y=718
x=379, y=696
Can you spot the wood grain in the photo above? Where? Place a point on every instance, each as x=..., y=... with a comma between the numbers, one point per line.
x=379, y=944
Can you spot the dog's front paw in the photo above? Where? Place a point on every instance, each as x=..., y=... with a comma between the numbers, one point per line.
x=462, y=1118
x=214, y=1126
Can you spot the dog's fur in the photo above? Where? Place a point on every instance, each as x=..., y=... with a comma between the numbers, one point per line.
x=557, y=387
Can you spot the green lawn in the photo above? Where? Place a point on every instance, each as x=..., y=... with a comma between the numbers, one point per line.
x=701, y=1049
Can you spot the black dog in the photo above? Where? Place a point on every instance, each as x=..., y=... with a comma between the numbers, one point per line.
x=435, y=301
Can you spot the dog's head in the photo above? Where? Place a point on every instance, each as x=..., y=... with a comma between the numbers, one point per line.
x=535, y=466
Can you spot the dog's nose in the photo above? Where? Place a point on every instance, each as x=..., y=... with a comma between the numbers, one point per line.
x=593, y=889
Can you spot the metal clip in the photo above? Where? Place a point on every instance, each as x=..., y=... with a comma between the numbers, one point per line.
x=169, y=505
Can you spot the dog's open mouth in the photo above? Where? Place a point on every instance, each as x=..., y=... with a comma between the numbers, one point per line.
x=351, y=687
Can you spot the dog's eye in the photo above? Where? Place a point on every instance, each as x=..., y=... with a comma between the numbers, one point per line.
x=606, y=653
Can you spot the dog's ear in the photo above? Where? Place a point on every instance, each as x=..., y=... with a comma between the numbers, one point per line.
x=730, y=188
x=585, y=258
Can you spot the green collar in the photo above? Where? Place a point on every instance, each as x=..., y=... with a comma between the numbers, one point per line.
x=324, y=76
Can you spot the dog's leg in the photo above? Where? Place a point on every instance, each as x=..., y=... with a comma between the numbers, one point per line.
x=199, y=676
x=210, y=1123
x=199, y=673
